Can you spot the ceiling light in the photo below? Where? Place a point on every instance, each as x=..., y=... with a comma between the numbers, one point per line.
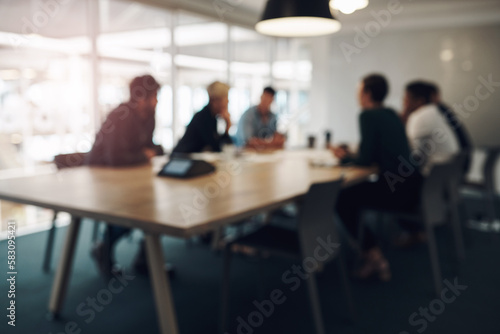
x=8, y=75
x=29, y=73
x=446, y=55
x=348, y=6
x=297, y=18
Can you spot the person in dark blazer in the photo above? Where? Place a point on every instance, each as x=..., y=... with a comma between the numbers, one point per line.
x=201, y=133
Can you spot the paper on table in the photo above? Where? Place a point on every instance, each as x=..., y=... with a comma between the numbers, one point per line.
x=208, y=156
x=317, y=158
x=262, y=157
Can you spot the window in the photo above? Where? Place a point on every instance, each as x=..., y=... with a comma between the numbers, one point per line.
x=44, y=82
x=49, y=71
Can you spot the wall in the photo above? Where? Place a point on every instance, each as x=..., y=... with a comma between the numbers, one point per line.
x=407, y=55
x=458, y=59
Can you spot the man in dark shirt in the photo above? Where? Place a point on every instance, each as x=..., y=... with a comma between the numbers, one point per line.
x=126, y=136
x=125, y=139
x=201, y=133
x=384, y=144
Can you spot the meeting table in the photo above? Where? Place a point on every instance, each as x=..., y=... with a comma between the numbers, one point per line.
x=135, y=197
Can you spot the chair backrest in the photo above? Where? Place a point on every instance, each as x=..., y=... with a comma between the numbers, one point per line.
x=489, y=168
x=70, y=160
x=437, y=187
x=459, y=174
x=316, y=227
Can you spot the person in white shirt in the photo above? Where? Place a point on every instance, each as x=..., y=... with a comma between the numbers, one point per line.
x=431, y=137
x=429, y=133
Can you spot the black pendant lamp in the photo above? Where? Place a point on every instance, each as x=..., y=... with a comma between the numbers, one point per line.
x=297, y=18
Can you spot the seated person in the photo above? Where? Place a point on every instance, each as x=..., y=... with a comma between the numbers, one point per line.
x=429, y=132
x=383, y=142
x=201, y=133
x=125, y=139
x=433, y=130
x=257, y=126
x=456, y=125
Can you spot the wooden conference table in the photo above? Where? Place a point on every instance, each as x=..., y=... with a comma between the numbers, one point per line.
x=135, y=197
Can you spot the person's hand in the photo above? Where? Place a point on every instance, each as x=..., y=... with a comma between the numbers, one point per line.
x=149, y=153
x=254, y=143
x=278, y=140
x=226, y=117
x=261, y=144
x=340, y=152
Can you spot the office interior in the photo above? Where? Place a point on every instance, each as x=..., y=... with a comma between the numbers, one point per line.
x=64, y=65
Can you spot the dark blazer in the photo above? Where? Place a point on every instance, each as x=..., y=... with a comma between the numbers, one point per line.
x=201, y=134
x=460, y=133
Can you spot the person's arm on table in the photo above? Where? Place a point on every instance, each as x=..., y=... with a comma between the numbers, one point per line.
x=225, y=138
x=366, y=147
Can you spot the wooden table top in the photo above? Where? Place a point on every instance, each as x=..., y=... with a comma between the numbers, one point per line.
x=136, y=197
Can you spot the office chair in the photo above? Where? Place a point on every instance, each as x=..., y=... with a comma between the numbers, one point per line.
x=61, y=161
x=315, y=222
x=487, y=187
x=437, y=206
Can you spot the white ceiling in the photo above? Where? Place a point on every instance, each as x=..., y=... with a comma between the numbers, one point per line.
x=416, y=13
x=122, y=15
x=258, y=5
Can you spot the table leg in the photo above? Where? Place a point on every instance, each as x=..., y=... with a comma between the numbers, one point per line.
x=161, y=286
x=61, y=279
x=50, y=244
x=217, y=235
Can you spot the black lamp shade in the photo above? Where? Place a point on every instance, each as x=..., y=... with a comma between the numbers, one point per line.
x=297, y=18
x=285, y=8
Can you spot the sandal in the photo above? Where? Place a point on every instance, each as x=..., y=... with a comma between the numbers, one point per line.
x=375, y=265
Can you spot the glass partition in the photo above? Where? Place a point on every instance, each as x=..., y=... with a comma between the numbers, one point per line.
x=48, y=71
x=250, y=57
x=135, y=39
x=44, y=82
x=45, y=97
x=201, y=58
x=64, y=66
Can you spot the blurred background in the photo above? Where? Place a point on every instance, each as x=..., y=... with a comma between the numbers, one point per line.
x=65, y=64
